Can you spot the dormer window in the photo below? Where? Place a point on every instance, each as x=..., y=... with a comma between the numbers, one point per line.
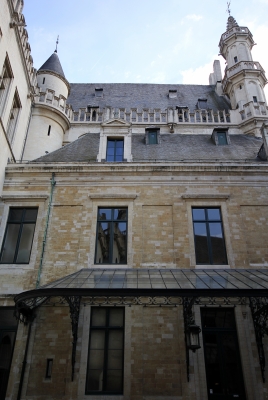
x=220, y=137
x=202, y=104
x=172, y=94
x=235, y=59
x=152, y=136
x=255, y=100
x=98, y=92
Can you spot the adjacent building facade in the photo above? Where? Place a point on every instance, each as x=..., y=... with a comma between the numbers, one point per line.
x=133, y=231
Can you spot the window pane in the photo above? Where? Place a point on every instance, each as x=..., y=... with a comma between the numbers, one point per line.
x=95, y=380
x=110, y=144
x=199, y=214
x=105, y=213
x=222, y=140
x=120, y=243
x=97, y=336
x=212, y=363
x=201, y=244
x=98, y=317
x=116, y=317
x=119, y=144
x=214, y=214
x=120, y=214
x=15, y=214
x=115, y=341
x=115, y=359
x=25, y=243
x=119, y=157
x=9, y=247
x=217, y=243
x=114, y=381
x=96, y=359
x=103, y=250
x=30, y=214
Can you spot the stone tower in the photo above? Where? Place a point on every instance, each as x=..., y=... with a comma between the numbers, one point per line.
x=244, y=79
x=49, y=121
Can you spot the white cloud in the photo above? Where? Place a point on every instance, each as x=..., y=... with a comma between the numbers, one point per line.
x=200, y=75
x=194, y=17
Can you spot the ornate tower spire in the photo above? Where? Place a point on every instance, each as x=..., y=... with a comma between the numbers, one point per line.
x=244, y=79
x=57, y=42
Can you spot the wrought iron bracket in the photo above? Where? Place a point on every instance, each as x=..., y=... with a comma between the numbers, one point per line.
x=259, y=311
x=74, y=304
x=188, y=318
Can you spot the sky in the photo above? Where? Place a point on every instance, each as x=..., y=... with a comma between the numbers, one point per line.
x=141, y=41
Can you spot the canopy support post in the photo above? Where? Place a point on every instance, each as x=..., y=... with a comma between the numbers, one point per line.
x=188, y=317
x=74, y=304
x=259, y=311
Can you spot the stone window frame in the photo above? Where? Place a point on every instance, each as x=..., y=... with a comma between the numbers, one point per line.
x=6, y=79
x=104, y=136
x=207, y=200
x=21, y=223
x=23, y=201
x=207, y=221
x=13, y=117
x=112, y=221
x=82, y=358
x=215, y=137
x=107, y=329
x=112, y=200
x=148, y=131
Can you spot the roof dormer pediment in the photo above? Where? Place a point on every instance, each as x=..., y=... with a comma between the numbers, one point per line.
x=118, y=122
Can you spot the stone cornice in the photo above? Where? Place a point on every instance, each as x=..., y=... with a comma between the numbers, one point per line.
x=130, y=168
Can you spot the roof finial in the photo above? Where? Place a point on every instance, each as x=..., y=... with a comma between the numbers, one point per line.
x=57, y=42
x=228, y=8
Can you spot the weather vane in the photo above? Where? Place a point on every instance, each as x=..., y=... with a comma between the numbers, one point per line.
x=228, y=9
x=57, y=42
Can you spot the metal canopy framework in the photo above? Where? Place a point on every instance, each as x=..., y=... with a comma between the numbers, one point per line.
x=155, y=287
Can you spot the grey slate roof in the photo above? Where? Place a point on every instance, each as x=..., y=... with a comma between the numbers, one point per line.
x=172, y=147
x=53, y=64
x=139, y=95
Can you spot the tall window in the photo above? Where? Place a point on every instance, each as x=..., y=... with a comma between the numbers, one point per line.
x=115, y=150
x=8, y=328
x=222, y=358
x=111, y=242
x=106, y=351
x=17, y=244
x=13, y=117
x=208, y=235
x=5, y=82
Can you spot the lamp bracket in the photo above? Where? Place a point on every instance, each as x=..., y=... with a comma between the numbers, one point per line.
x=259, y=311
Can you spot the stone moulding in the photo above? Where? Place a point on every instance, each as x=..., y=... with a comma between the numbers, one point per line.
x=24, y=197
x=131, y=196
x=205, y=196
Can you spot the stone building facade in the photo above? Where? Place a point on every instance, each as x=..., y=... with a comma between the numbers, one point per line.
x=133, y=231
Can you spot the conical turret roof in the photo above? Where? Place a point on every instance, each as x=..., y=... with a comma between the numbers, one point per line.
x=53, y=64
x=231, y=22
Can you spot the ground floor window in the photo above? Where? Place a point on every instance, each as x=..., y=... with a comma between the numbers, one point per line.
x=222, y=358
x=8, y=328
x=106, y=351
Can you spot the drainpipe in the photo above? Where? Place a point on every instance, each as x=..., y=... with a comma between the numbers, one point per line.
x=52, y=185
x=32, y=317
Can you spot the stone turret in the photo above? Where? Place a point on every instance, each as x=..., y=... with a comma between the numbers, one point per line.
x=244, y=79
x=49, y=120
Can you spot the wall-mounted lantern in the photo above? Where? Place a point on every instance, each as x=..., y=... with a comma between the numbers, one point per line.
x=192, y=337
